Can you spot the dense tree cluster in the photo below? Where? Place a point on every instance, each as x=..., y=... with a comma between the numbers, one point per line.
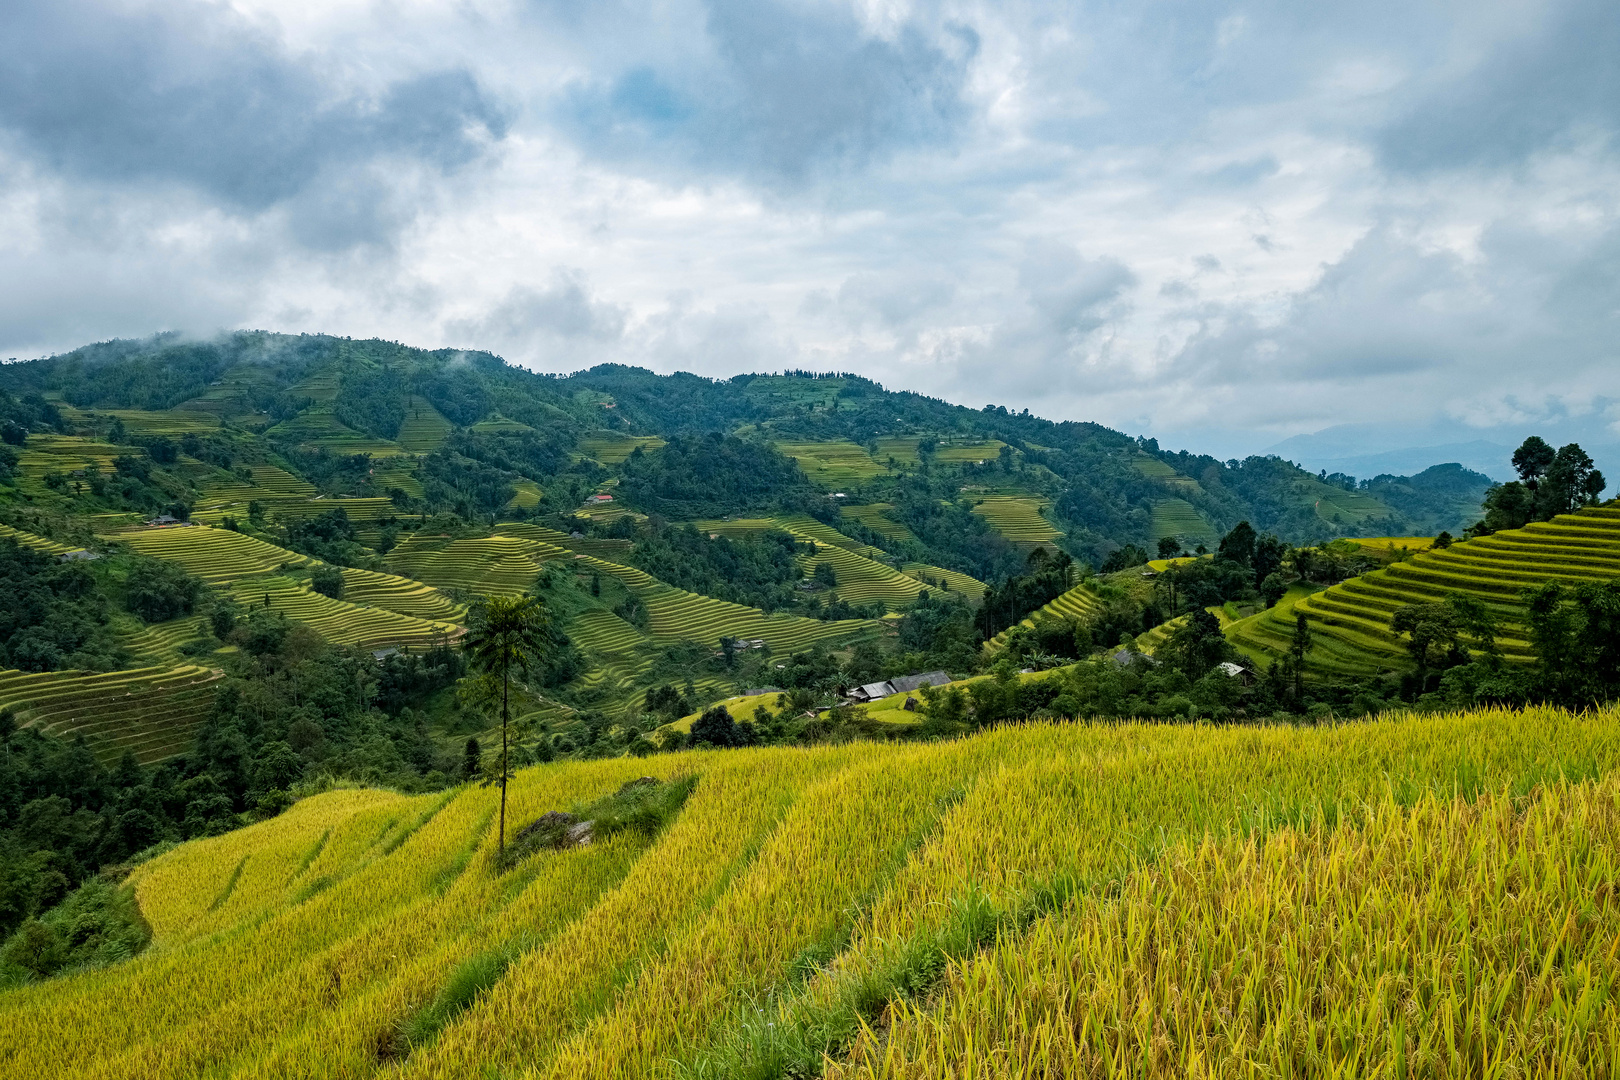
x=759, y=570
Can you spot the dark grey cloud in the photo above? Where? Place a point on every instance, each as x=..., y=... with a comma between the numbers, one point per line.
x=192, y=93
x=1556, y=81
x=783, y=92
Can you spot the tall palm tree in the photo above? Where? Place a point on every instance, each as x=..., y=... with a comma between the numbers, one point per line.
x=507, y=632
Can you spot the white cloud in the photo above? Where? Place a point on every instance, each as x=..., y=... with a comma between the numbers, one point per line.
x=1212, y=222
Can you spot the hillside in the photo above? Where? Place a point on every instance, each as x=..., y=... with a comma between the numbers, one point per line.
x=1047, y=898
x=1350, y=621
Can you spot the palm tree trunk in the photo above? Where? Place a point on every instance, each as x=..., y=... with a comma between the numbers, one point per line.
x=506, y=682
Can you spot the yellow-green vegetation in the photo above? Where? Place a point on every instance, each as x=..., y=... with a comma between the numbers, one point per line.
x=1078, y=603
x=504, y=565
x=1340, y=507
x=968, y=586
x=1350, y=621
x=526, y=497
x=612, y=448
x=901, y=450
x=424, y=427
x=834, y=463
x=216, y=556
x=143, y=422
x=226, y=493
x=862, y=580
x=399, y=594
x=1179, y=518
x=1418, y=895
x=1017, y=517
x=318, y=428
x=159, y=643
x=495, y=423
x=38, y=543
x=153, y=712
x=64, y=454
x=339, y=621
x=740, y=706
x=677, y=615
x=1154, y=469
x=872, y=515
x=359, y=510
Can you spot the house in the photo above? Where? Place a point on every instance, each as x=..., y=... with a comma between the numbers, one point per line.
x=599, y=499
x=1128, y=656
x=78, y=555
x=903, y=685
x=164, y=519
x=1236, y=671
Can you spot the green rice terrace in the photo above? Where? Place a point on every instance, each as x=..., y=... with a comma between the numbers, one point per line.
x=1351, y=621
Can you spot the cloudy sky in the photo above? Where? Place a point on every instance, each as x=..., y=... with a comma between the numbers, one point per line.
x=1221, y=224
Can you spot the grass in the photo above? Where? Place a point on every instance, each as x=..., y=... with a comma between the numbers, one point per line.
x=1419, y=893
x=1017, y=517
x=1350, y=621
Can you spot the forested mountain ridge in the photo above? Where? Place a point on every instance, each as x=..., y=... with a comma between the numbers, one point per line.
x=494, y=425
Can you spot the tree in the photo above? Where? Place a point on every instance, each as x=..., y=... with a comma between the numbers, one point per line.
x=1238, y=545
x=1431, y=631
x=715, y=727
x=508, y=632
x=1571, y=481
x=328, y=581
x=1532, y=459
x=158, y=591
x=472, y=757
x=1169, y=547
x=1298, y=646
x=1196, y=646
x=825, y=575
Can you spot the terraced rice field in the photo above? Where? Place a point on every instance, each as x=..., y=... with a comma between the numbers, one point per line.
x=397, y=473
x=602, y=548
x=139, y=422
x=319, y=428
x=1180, y=519
x=1351, y=620
x=902, y=450
x=214, y=555
x=836, y=463
x=1078, y=603
x=226, y=493
x=341, y=622
x=64, y=454
x=1017, y=517
x=611, y=448
x=38, y=543
x=862, y=580
x=152, y=712
x=527, y=497
x=970, y=587
x=1155, y=469
x=400, y=594
x=359, y=510
x=1339, y=507
x=487, y=566
x=678, y=615
x=1469, y=859
x=424, y=427
x=496, y=423
x=159, y=643
x=872, y=515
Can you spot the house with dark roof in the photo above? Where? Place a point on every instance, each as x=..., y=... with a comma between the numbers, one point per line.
x=905, y=684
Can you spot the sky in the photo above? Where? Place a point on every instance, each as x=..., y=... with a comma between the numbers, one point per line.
x=1223, y=225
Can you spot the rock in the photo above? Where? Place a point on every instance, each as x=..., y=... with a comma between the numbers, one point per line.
x=640, y=782
x=578, y=835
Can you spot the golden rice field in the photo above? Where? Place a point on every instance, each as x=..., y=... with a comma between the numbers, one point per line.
x=28, y=539
x=1350, y=621
x=318, y=428
x=152, y=712
x=342, y=622
x=1415, y=896
x=1017, y=517
x=217, y=556
x=485, y=565
x=424, y=427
